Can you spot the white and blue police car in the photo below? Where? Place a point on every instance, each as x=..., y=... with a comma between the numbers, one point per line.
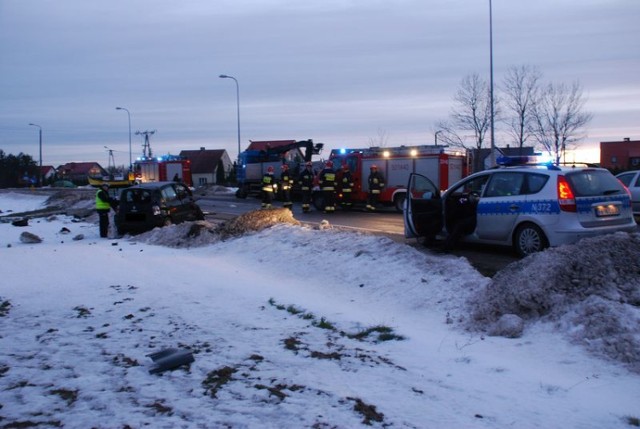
x=526, y=205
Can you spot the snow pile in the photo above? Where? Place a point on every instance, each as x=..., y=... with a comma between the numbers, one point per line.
x=589, y=291
x=295, y=326
x=202, y=233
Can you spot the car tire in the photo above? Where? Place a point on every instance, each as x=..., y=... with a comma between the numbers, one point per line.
x=398, y=202
x=529, y=239
x=167, y=222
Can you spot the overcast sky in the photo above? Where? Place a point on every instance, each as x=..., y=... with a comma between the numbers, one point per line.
x=341, y=72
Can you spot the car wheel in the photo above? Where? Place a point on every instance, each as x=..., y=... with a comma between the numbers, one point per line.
x=167, y=221
x=398, y=201
x=529, y=239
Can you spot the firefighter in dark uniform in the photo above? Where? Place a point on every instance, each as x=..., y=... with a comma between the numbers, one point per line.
x=104, y=204
x=376, y=183
x=328, y=184
x=268, y=188
x=305, y=180
x=346, y=187
x=286, y=181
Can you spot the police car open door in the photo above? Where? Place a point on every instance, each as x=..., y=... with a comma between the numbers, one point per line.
x=423, y=208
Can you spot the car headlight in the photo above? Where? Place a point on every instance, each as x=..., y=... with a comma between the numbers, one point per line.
x=156, y=210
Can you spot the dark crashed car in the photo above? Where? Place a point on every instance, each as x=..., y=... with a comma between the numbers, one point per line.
x=149, y=205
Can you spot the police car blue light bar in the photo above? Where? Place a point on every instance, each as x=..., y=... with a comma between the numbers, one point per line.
x=507, y=161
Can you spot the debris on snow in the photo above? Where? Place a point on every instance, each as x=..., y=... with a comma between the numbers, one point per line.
x=169, y=359
x=29, y=238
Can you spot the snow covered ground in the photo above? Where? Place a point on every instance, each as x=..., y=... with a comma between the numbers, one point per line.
x=294, y=327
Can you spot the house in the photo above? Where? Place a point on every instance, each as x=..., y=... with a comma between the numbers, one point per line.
x=47, y=173
x=208, y=166
x=620, y=156
x=79, y=172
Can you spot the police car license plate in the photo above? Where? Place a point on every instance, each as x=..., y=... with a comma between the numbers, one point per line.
x=607, y=210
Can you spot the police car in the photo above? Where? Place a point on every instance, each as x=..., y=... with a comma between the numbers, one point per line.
x=526, y=205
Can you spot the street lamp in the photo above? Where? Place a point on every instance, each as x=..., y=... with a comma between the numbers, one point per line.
x=128, y=116
x=493, y=140
x=436, y=136
x=40, y=159
x=224, y=76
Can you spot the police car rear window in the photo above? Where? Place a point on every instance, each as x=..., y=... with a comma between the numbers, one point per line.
x=590, y=183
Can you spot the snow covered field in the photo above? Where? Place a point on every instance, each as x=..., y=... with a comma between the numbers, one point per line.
x=294, y=327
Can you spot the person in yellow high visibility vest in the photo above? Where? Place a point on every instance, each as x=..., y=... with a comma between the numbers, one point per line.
x=104, y=204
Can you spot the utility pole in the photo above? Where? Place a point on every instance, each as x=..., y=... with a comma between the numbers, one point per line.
x=491, y=101
x=146, y=148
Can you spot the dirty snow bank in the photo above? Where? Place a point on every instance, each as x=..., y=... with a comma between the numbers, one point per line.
x=589, y=291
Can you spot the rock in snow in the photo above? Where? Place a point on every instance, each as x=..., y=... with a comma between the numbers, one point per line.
x=29, y=238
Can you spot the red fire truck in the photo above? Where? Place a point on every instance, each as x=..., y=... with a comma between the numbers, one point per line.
x=149, y=169
x=395, y=163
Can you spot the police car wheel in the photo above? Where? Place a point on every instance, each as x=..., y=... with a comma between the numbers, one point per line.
x=529, y=239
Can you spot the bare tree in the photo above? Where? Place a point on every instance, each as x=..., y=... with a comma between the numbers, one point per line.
x=380, y=140
x=558, y=118
x=471, y=113
x=521, y=88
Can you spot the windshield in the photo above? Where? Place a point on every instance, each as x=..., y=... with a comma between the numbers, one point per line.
x=591, y=183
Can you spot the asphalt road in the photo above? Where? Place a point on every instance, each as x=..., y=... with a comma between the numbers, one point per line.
x=387, y=221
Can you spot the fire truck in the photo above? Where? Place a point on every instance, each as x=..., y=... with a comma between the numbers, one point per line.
x=396, y=164
x=261, y=155
x=150, y=169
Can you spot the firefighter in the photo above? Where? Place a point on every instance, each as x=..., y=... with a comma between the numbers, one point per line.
x=376, y=183
x=305, y=180
x=327, y=181
x=346, y=187
x=104, y=204
x=286, y=182
x=268, y=188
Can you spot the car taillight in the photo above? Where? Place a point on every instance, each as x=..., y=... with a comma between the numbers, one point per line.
x=625, y=188
x=566, y=199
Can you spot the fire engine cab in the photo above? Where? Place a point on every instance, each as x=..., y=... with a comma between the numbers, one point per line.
x=395, y=164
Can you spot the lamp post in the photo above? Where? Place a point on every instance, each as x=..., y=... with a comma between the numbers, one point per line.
x=224, y=76
x=493, y=140
x=436, y=136
x=128, y=116
x=40, y=146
